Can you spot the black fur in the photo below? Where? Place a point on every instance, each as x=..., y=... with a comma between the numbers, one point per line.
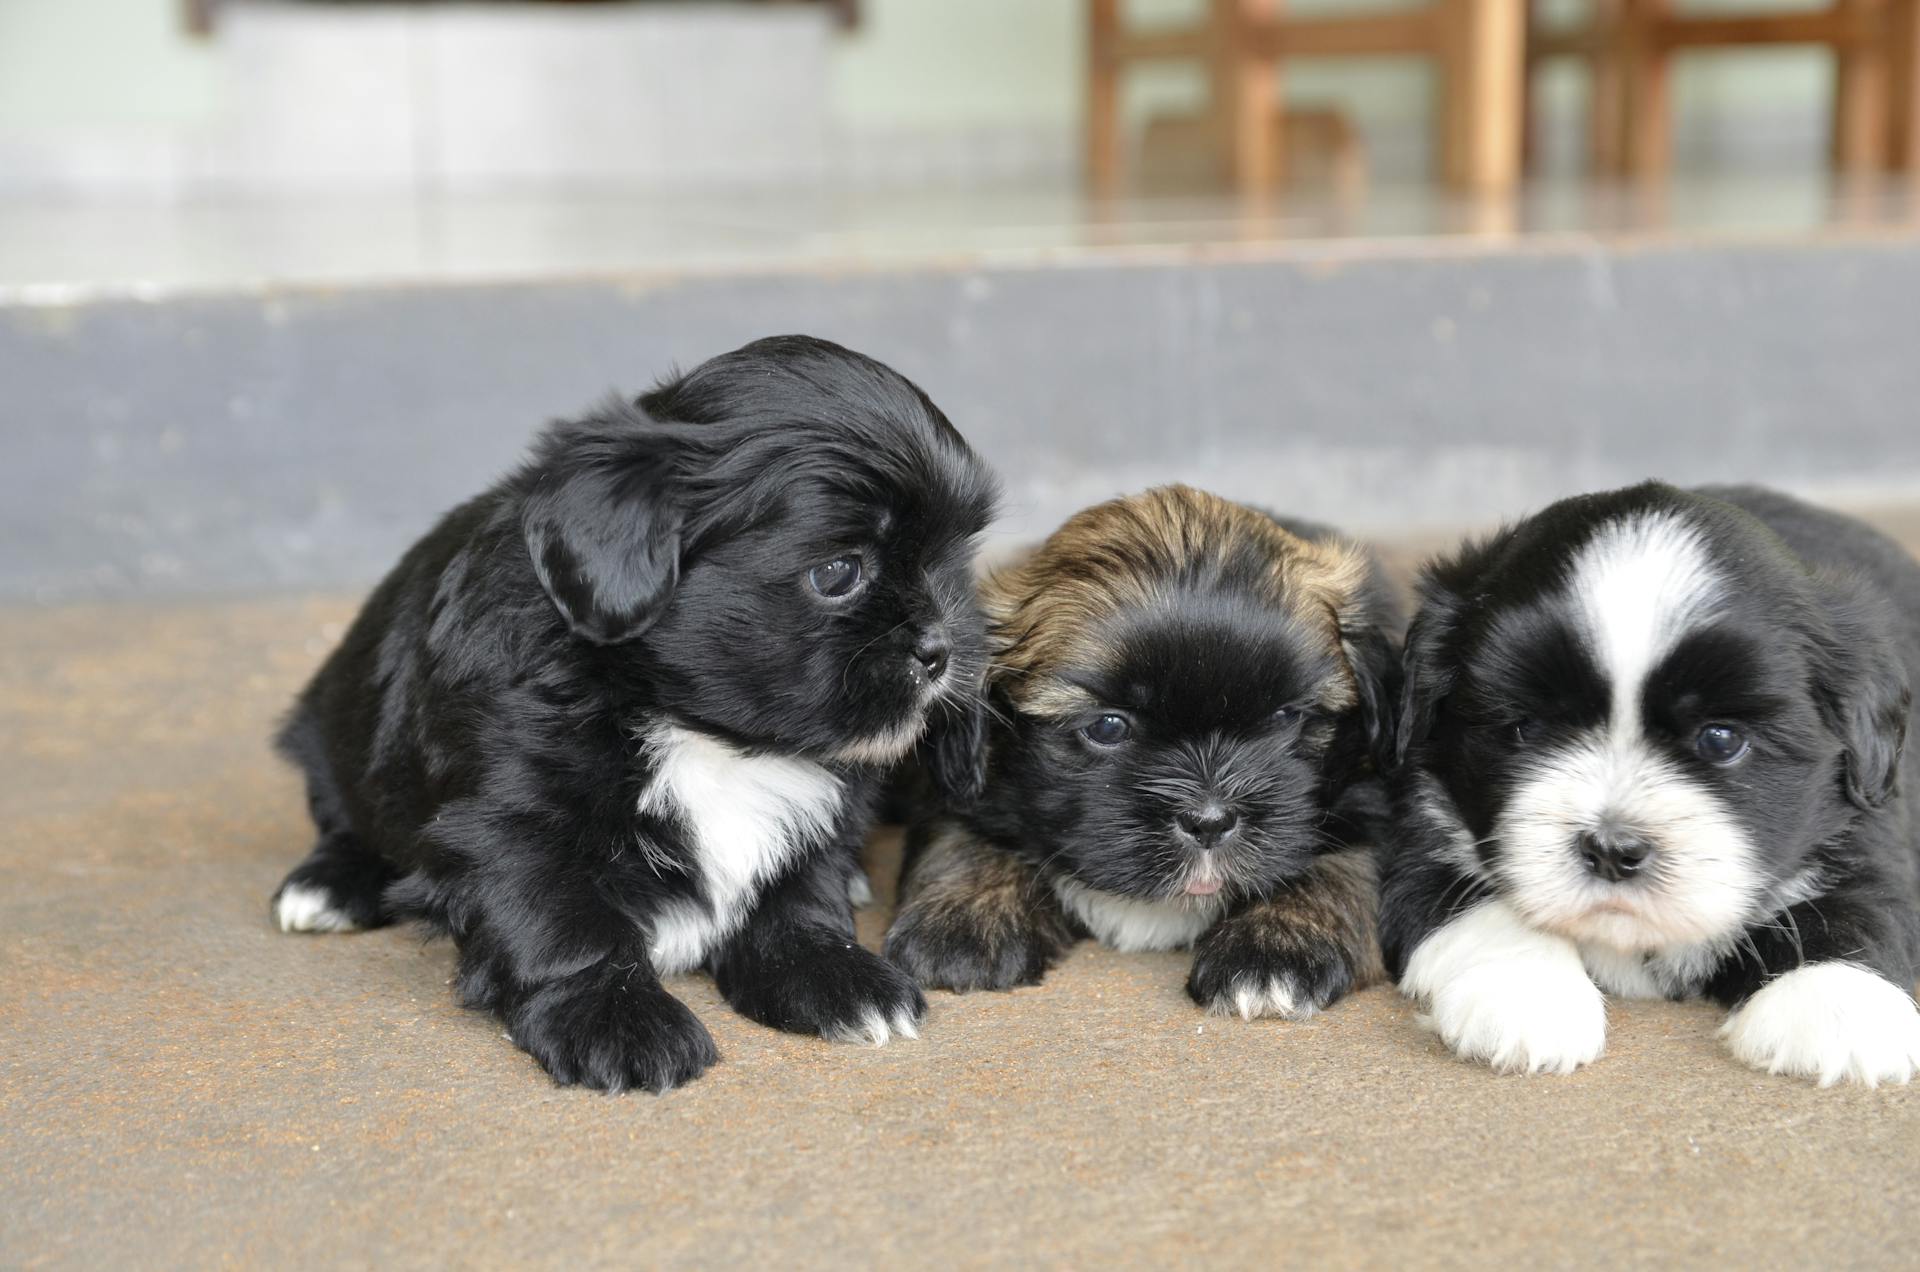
x=1206, y=687
x=1814, y=651
x=1202, y=671
x=477, y=749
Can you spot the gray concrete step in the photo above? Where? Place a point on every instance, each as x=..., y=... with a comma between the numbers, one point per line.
x=298, y=437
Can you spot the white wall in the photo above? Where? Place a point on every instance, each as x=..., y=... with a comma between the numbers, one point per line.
x=86, y=64
x=111, y=94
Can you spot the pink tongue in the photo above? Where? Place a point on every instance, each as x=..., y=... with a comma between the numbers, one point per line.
x=1202, y=888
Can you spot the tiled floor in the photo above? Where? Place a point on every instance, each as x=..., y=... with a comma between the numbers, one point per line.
x=51, y=249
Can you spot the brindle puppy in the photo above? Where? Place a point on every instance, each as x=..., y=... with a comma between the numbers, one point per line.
x=1187, y=697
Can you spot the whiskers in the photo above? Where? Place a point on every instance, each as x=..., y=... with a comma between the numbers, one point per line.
x=847, y=670
x=1458, y=893
x=658, y=860
x=1790, y=929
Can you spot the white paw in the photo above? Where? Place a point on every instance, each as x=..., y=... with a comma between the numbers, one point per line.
x=1832, y=1022
x=1502, y=992
x=860, y=890
x=300, y=908
x=875, y=1029
x=1250, y=999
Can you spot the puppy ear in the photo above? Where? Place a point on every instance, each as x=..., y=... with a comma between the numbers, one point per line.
x=1428, y=674
x=954, y=752
x=1863, y=691
x=1376, y=673
x=1426, y=678
x=601, y=525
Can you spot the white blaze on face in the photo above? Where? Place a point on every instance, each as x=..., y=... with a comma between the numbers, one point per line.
x=1635, y=590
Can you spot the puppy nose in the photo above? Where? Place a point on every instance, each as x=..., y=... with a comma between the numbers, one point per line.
x=1613, y=855
x=1209, y=823
x=931, y=650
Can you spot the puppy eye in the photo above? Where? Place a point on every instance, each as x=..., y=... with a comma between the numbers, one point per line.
x=835, y=578
x=1107, y=730
x=1292, y=713
x=1720, y=744
x=1525, y=732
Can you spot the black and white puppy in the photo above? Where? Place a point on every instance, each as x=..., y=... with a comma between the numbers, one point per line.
x=1653, y=747
x=1186, y=695
x=625, y=714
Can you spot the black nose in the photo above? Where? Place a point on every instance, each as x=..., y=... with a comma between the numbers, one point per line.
x=1208, y=823
x=1613, y=855
x=932, y=650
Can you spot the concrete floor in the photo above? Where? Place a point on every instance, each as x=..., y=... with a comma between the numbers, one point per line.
x=181, y=1085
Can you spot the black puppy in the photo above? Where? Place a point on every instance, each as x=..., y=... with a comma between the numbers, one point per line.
x=1655, y=746
x=1187, y=695
x=625, y=714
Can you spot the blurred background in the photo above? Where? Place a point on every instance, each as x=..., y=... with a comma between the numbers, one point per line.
x=281, y=280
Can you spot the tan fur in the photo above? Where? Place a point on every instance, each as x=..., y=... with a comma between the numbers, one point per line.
x=960, y=877
x=1047, y=609
x=973, y=916
x=1335, y=905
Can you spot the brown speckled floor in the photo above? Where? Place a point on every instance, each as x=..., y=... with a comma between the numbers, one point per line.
x=181, y=1085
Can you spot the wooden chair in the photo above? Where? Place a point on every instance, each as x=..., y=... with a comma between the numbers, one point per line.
x=1317, y=151
x=1478, y=45
x=1630, y=45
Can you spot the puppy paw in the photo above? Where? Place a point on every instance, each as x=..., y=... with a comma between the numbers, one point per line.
x=612, y=1028
x=333, y=890
x=949, y=947
x=1251, y=969
x=1832, y=1022
x=1502, y=992
x=300, y=907
x=1521, y=1019
x=831, y=986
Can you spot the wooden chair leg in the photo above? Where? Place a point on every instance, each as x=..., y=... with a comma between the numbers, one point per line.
x=1646, y=133
x=1246, y=96
x=1103, y=98
x=1483, y=79
x=1606, y=92
x=1860, y=97
x=1529, y=106
x=1529, y=119
x=1903, y=86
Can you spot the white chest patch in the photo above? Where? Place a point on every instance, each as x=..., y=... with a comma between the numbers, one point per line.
x=1129, y=924
x=745, y=815
x=1623, y=972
